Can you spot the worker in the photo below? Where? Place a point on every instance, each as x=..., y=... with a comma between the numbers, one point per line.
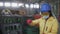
x=48, y=24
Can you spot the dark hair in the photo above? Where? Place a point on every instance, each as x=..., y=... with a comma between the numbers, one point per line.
x=50, y=13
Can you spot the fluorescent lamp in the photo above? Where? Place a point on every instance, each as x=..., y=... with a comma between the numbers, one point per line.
x=31, y=5
x=20, y=4
x=1, y=3
x=27, y=5
x=7, y=4
x=14, y=5
x=36, y=5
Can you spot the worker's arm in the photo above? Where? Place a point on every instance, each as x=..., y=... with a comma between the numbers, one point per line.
x=33, y=22
x=54, y=28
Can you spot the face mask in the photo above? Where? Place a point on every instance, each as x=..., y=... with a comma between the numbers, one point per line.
x=45, y=17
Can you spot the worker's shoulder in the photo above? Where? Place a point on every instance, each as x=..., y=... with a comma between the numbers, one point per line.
x=53, y=18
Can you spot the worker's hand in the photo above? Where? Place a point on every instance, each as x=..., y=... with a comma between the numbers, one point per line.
x=29, y=21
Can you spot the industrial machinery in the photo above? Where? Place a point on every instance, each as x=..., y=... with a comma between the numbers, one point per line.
x=11, y=25
x=16, y=24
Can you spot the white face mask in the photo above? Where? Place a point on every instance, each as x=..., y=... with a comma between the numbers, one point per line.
x=45, y=17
